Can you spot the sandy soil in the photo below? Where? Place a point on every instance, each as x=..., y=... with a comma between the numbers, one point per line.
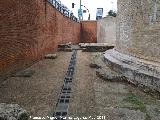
x=37, y=94
x=83, y=99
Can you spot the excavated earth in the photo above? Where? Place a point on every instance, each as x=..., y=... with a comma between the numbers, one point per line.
x=98, y=93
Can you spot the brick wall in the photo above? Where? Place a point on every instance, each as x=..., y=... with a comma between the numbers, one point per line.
x=29, y=29
x=89, y=31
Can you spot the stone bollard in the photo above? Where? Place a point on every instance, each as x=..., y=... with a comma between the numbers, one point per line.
x=12, y=112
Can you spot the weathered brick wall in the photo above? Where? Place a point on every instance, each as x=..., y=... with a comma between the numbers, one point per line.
x=89, y=31
x=106, y=30
x=29, y=29
x=137, y=35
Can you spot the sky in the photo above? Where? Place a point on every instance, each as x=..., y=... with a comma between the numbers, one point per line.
x=92, y=5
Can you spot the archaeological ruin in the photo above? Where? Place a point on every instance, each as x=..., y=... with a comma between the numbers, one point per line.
x=137, y=51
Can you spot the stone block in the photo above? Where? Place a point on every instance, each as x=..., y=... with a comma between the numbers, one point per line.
x=12, y=112
x=50, y=56
x=135, y=69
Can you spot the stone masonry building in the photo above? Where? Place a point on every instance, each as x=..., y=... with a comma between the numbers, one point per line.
x=137, y=51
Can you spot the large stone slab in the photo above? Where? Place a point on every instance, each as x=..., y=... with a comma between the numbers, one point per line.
x=95, y=47
x=50, y=56
x=138, y=71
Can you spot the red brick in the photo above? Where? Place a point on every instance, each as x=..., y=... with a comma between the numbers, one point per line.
x=89, y=31
x=29, y=29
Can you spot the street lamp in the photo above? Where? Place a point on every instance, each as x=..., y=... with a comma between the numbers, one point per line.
x=88, y=12
x=80, y=9
x=80, y=13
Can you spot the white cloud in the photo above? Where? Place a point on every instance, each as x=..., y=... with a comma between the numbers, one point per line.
x=92, y=5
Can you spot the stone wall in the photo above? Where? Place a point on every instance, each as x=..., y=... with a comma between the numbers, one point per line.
x=137, y=35
x=89, y=31
x=106, y=30
x=137, y=52
x=29, y=29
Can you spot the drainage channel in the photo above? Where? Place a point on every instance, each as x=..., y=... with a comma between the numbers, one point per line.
x=62, y=105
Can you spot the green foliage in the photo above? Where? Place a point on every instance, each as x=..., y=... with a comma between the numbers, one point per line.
x=112, y=13
x=135, y=101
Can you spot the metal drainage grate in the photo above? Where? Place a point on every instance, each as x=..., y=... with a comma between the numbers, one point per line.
x=65, y=94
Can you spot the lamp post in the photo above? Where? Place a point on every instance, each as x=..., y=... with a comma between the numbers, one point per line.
x=88, y=12
x=80, y=13
x=80, y=10
x=80, y=5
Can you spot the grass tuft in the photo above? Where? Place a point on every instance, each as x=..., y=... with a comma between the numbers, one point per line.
x=135, y=101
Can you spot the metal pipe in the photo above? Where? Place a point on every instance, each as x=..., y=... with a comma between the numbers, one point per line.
x=80, y=9
x=80, y=4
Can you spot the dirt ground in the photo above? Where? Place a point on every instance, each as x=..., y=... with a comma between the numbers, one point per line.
x=83, y=98
x=37, y=94
x=92, y=97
